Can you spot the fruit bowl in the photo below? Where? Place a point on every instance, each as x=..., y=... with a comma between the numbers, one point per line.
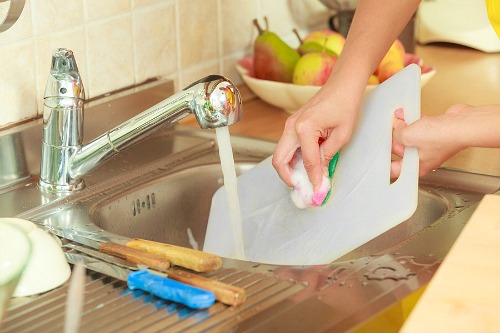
x=291, y=97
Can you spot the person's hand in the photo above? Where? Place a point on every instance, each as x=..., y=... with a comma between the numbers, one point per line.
x=330, y=116
x=434, y=136
x=324, y=120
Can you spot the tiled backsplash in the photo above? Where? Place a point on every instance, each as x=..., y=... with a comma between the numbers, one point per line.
x=118, y=43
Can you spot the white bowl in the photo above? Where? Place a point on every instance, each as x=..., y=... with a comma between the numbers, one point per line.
x=47, y=267
x=15, y=252
x=291, y=97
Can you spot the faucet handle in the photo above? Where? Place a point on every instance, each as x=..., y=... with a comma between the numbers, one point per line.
x=217, y=102
x=64, y=78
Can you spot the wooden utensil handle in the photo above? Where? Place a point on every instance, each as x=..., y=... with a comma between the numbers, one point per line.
x=136, y=256
x=181, y=256
x=224, y=293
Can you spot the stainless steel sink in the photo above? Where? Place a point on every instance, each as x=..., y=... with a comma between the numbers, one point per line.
x=175, y=208
x=161, y=190
x=171, y=209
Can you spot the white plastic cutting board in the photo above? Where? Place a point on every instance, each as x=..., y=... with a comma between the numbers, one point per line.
x=363, y=203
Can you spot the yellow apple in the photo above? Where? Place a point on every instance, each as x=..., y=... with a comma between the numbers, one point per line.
x=392, y=62
x=388, y=69
x=373, y=79
x=313, y=69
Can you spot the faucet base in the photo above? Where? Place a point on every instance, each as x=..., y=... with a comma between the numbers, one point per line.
x=60, y=188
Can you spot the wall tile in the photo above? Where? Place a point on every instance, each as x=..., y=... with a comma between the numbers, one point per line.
x=56, y=15
x=123, y=42
x=17, y=83
x=238, y=31
x=195, y=73
x=280, y=19
x=229, y=69
x=144, y=3
x=110, y=58
x=21, y=29
x=155, y=41
x=198, y=31
x=98, y=9
x=4, y=8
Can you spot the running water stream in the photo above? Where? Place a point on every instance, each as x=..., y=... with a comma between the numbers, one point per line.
x=229, y=172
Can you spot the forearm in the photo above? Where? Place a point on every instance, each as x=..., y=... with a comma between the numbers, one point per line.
x=376, y=24
x=474, y=126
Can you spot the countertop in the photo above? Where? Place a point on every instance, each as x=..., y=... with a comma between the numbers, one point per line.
x=463, y=294
x=463, y=75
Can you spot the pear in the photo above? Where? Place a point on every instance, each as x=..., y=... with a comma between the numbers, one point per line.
x=332, y=40
x=312, y=46
x=273, y=59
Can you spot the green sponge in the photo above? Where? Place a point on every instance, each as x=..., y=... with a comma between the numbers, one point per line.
x=331, y=170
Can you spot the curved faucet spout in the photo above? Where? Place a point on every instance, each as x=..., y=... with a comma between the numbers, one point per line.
x=214, y=100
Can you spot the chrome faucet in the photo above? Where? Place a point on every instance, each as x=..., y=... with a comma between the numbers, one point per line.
x=214, y=100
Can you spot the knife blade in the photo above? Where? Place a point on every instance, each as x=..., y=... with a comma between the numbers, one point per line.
x=195, y=260
x=153, y=283
x=101, y=256
x=132, y=255
x=224, y=293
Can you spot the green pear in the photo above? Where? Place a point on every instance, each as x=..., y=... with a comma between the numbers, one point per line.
x=273, y=59
x=332, y=40
x=313, y=47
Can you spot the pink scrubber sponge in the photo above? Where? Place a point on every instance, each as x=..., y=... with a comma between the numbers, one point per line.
x=303, y=195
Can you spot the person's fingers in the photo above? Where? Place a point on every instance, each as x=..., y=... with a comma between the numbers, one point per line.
x=399, y=114
x=285, y=151
x=331, y=146
x=283, y=161
x=311, y=156
x=397, y=129
x=396, y=168
x=397, y=148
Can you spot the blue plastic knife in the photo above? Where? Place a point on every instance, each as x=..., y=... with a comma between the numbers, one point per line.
x=169, y=289
x=152, y=283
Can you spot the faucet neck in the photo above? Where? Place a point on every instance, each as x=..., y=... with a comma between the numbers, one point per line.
x=214, y=100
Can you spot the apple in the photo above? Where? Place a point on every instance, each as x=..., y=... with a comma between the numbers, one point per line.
x=331, y=40
x=393, y=59
x=396, y=53
x=373, y=80
x=313, y=69
x=389, y=69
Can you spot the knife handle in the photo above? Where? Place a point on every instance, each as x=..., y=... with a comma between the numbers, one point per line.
x=135, y=256
x=224, y=293
x=195, y=260
x=171, y=290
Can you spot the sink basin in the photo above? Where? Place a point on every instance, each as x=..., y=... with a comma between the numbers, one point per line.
x=174, y=209
x=161, y=189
